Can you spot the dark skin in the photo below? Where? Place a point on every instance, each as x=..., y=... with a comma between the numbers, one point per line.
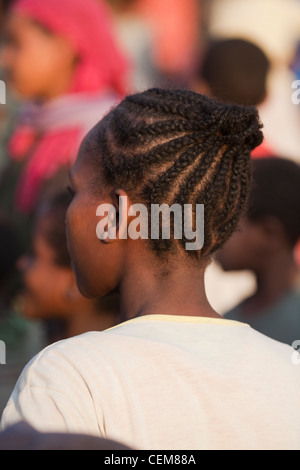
x=147, y=285
x=262, y=247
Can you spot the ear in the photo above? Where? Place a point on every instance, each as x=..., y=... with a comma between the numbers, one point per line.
x=115, y=219
x=122, y=206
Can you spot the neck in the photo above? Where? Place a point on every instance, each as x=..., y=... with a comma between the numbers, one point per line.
x=177, y=289
x=84, y=320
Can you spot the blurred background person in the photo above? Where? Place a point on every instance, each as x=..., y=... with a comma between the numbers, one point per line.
x=265, y=244
x=296, y=62
x=62, y=64
x=274, y=26
x=4, y=4
x=136, y=39
x=162, y=38
x=49, y=306
x=23, y=339
x=62, y=59
x=235, y=71
x=176, y=29
x=9, y=253
x=7, y=110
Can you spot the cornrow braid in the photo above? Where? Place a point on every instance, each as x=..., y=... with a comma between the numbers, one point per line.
x=180, y=147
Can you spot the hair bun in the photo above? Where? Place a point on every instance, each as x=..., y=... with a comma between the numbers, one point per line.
x=241, y=125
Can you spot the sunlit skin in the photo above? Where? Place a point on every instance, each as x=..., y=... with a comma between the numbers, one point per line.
x=146, y=284
x=261, y=247
x=36, y=64
x=50, y=290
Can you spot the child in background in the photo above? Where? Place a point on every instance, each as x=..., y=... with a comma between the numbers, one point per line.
x=4, y=4
x=50, y=307
x=23, y=339
x=61, y=58
x=175, y=375
x=265, y=244
x=9, y=253
x=235, y=71
x=50, y=291
x=6, y=111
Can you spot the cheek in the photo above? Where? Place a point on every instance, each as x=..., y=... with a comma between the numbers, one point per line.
x=33, y=68
x=25, y=75
x=82, y=243
x=76, y=230
x=92, y=260
x=42, y=291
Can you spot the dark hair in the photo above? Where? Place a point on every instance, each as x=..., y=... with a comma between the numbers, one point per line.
x=236, y=71
x=9, y=249
x=55, y=232
x=120, y=5
x=174, y=146
x=5, y=4
x=276, y=192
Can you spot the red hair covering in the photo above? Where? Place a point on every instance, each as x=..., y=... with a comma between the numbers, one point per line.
x=88, y=26
x=48, y=135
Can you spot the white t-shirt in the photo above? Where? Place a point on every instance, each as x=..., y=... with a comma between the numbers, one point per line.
x=166, y=382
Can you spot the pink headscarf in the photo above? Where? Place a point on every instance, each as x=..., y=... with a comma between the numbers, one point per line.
x=50, y=134
x=88, y=26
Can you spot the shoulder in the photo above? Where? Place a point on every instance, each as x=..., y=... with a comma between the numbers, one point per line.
x=54, y=387
x=59, y=360
x=76, y=354
x=270, y=354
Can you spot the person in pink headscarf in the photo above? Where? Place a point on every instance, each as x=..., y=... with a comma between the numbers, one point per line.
x=61, y=58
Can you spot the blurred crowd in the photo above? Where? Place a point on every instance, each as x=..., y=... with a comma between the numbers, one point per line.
x=64, y=68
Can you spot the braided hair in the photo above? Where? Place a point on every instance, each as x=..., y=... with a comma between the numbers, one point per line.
x=180, y=147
